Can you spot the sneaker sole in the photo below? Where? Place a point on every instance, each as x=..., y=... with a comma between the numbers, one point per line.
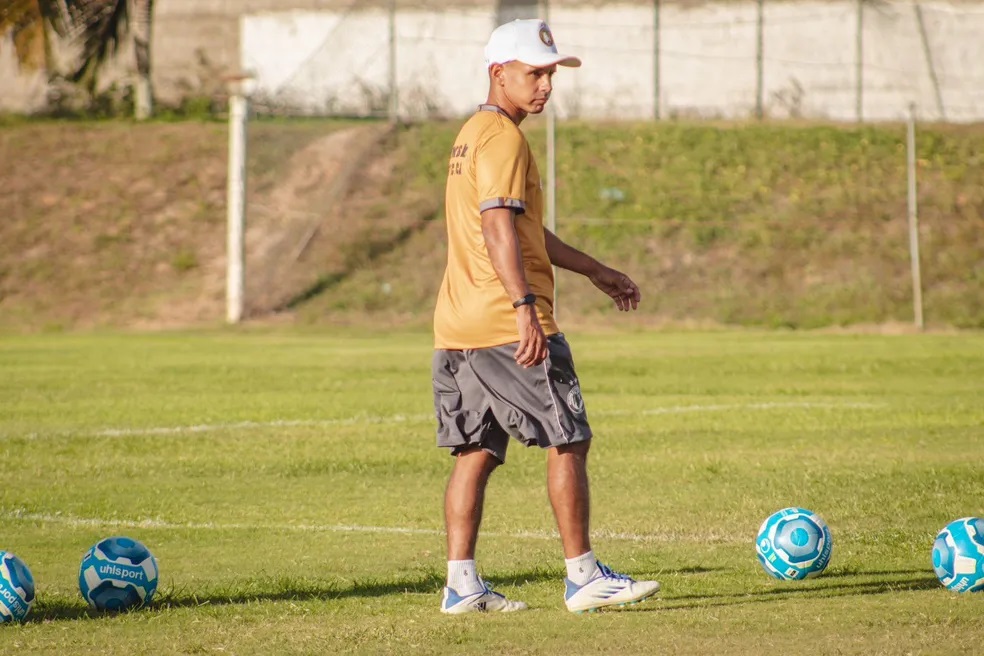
x=483, y=612
x=617, y=604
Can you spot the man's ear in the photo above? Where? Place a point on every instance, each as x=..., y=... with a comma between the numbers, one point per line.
x=495, y=72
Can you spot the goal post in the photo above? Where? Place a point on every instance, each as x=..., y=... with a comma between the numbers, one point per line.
x=240, y=86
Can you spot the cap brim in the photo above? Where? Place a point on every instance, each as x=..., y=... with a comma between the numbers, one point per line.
x=551, y=60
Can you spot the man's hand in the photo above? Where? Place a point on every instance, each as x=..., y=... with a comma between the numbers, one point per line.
x=619, y=286
x=532, y=349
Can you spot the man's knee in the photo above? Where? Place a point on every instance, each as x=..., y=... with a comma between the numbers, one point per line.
x=477, y=458
x=579, y=449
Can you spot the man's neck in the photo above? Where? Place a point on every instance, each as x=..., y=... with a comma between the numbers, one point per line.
x=515, y=114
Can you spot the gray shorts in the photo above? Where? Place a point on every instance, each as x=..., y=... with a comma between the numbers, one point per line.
x=481, y=397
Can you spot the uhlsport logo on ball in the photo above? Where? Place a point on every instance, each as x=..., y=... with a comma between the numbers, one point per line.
x=794, y=543
x=118, y=574
x=16, y=588
x=958, y=555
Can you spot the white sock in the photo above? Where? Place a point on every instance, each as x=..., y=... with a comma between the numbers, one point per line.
x=582, y=569
x=463, y=578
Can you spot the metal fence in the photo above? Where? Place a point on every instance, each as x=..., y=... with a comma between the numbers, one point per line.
x=842, y=60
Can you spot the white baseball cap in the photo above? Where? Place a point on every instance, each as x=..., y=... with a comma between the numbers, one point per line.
x=528, y=41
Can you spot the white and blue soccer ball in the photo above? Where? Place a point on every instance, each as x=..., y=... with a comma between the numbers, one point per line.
x=118, y=574
x=16, y=588
x=794, y=543
x=958, y=555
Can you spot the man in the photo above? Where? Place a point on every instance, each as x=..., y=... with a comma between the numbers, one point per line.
x=501, y=365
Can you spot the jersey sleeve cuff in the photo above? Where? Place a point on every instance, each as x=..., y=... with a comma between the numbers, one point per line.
x=511, y=203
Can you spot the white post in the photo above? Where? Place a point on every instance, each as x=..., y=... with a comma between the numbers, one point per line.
x=859, y=63
x=917, y=304
x=394, y=89
x=551, y=168
x=552, y=183
x=656, y=81
x=760, y=61
x=236, y=200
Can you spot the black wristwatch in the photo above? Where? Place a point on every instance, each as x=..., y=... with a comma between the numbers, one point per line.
x=529, y=299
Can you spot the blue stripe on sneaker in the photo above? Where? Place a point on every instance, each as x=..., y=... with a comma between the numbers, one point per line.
x=451, y=598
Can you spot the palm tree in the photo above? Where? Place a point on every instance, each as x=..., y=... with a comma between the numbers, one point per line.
x=95, y=28
x=30, y=23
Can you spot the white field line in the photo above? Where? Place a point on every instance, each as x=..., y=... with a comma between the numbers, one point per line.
x=778, y=405
x=358, y=420
x=368, y=420
x=277, y=423
x=715, y=537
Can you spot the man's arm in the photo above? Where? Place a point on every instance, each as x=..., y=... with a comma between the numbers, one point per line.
x=568, y=257
x=616, y=284
x=502, y=244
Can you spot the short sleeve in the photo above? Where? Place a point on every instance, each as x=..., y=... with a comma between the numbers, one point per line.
x=501, y=165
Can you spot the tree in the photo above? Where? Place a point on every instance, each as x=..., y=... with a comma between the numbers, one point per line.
x=30, y=23
x=95, y=29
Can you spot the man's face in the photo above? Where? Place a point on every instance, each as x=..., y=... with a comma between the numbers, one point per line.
x=527, y=87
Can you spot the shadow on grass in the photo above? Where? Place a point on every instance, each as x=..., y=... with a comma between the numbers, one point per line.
x=288, y=589
x=281, y=589
x=842, y=573
x=910, y=581
x=697, y=569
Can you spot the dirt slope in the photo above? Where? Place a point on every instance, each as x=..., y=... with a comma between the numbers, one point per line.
x=124, y=225
x=115, y=224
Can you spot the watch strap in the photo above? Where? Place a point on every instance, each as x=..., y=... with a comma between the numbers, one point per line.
x=529, y=299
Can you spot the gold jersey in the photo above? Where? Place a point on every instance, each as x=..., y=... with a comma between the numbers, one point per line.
x=491, y=166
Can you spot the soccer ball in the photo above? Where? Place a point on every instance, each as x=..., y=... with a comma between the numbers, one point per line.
x=16, y=588
x=794, y=543
x=118, y=574
x=958, y=555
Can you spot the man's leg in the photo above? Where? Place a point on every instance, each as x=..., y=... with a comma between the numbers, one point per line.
x=590, y=585
x=463, y=501
x=567, y=485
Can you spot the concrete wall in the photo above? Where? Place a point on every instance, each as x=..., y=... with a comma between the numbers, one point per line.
x=333, y=55
x=20, y=90
x=340, y=63
x=196, y=42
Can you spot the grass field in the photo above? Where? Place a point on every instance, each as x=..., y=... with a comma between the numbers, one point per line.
x=289, y=486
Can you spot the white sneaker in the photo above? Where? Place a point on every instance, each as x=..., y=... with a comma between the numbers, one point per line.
x=607, y=588
x=485, y=601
